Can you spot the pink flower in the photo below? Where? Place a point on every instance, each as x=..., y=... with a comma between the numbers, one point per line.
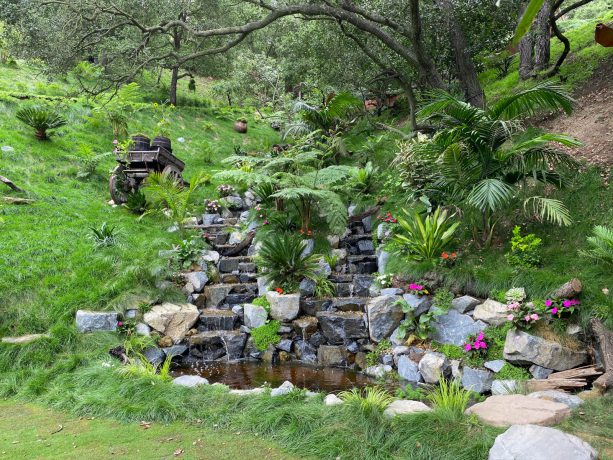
x=527, y=318
x=548, y=303
x=119, y=323
x=574, y=302
x=266, y=222
x=513, y=306
x=554, y=311
x=567, y=303
x=480, y=336
x=483, y=345
x=534, y=316
x=115, y=142
x=510, y=317
x=477, y=345
x=468, y=347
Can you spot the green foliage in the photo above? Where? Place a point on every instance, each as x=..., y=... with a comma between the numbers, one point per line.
x=135, y=344
x=263, y=302
x=324, y=288
x=41, y=119
x=119, y=108
x=189, y=251
x=423, y=240
x=510, y=372
x=370, y=400
x=408, y=392
x=105, y=236
x=450, y=396
x=600, y=245
x=327, y=116
x=373, y=358
x=266, y=335
x=136, y=202
x=525, y=250
x=530, y=13
x=515, y=295
x=421, y=326
x=141, y=367
x=451, y=351
x=364, y=179
x=442, y=299
x=283, y=263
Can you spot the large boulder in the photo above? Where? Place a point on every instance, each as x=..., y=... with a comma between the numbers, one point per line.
x=330, y=355
x=515, y=409
x=408, y=369
x=283, y=307
x=382, y=259
x=254, y=315
x=404, y=407
x=305, y=326
x=340, y=326
x=418, y=303
x=215, y=320
x=533, y=442
x=465, y=303
x=491, y=312
x=433, y=366
x=197, y=280
x=477, y=380
x=96, y=321
x=172, y=320
x=190, y=381
x=523, y=348
x=384, y=315
x=212, y=345
x=454, y=327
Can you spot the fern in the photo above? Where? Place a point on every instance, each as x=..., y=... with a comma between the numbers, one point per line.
x=600, y=245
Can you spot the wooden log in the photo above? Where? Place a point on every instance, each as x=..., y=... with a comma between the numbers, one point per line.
x=369, y=212
x=568, y=290
x=15, y=200
x=578, y=372
x=10, y=183
x=556, y=384
x=240, y=246
x=604, y=354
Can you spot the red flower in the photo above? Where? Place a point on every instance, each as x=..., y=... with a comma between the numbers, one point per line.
x=453, y=255
x=445, y=256
x=119, y=323
x=279, y=290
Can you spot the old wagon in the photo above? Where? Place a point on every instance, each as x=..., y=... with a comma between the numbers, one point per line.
x=143, y=158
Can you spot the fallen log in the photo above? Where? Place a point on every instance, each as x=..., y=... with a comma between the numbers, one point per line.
x=368, y=212
x=10, y=183
x=15, y=200
x=578, y=372
x=568, y=290
x=604, y=354
x=554, y=384
x=240, y=246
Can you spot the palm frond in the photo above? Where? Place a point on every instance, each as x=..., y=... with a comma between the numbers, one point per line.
x=490, y=194
x=549, y=209
x=545, y=95
x=600, y=245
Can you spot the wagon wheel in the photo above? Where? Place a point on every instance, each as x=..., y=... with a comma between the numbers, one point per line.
x=119, y=185
x=175, y=173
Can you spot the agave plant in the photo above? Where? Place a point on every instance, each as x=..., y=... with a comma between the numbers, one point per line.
x=285, y=263
x=479, y=161
x=423, y=240
x=41, y=120
x=105, y=236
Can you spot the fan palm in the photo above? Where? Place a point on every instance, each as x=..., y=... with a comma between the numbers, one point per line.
x=479, y=161
x=41, y=120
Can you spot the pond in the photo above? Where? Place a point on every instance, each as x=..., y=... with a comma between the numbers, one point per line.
x=252, y=374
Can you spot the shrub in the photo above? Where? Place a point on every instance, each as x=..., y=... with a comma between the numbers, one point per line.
x=442, y=299
x=600, y=245
x=423, y=240
x=188, y=251
x=141, y=367
x=324, y=288
x=105, y=236
x=41, y=120
x=370, y=400
x=420, y=326
x=372, y=358
x=450, y=396
x=525, y=250
x=408, y=392
x=510, y=372
x=262, y=302
x=284, y=262
x=136, y=202
x=266, y=335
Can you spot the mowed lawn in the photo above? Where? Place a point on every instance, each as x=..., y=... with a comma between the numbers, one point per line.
x=32, y=432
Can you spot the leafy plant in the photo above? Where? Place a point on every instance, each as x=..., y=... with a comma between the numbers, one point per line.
x=600, y=245
x=105, y=236
x=370, y=400
x=284, y=263
x=141, y=367
x=136, y=202
x=189, y=251
x=408, y=392
x=326, y=116
x=442, y=299
x=364, y=179
x=515, y=295
x=450, y=396
x=263, y=302
x=372, y=358
x=525, y=250
x=266, y=335
x=420, y=326
x=510, y=372
x=423, y=240
x=41, y=119
x=332, y=260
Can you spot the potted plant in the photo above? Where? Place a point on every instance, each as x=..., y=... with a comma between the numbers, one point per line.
x=240, y=126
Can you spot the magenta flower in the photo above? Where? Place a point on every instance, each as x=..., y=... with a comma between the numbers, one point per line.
x=513, y=306
x=567, y=303
x=548, y=303
x=480, y=336
x=468, y=347
x=554, y=311
x=477, y=345
x=266, y=222
x=119, y=323
x=483, y=345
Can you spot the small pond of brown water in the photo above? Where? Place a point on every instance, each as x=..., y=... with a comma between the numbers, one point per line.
x=252, y=374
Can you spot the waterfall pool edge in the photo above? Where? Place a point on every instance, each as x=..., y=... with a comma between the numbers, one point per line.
x=252, y=374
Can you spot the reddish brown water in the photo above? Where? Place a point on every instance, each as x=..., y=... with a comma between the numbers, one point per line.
x=250, y=374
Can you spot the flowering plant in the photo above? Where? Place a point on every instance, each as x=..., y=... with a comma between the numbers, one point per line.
x=476, y=344
x=524, y=315
x=278, y=290
x=225, y=190
x=213, y=207
x=126, y=327
x=384, y=280
x=388, y=218
x=418, y=289
x=559, y=307
x=448, y=258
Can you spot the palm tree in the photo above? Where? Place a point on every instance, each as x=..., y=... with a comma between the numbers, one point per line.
x=479, y=161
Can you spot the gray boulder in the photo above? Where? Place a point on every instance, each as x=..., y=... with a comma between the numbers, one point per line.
x=477, y=380
x=433, y=366
x=143, y=329
x=404, y=407
x=96, y=321
x=284, y=345
x=190, y=381
x=384, y=315
x=172, y=320
x=382, y=259
x=337, y=327
x=307, y=287
x=496, y=365
x=453, y=328
x=533, y=442
x=284, y=307
x=332, y=400
x=154, y=355
x=523, y=348
x=175, y=350
x=378, y=371
x=419, y=304
x=330, y=355
x=571, y=401
x=539, y=372
x=491, y=312
x=254, y=315
x=464, y=303
x=408, y=370
x=197, y=279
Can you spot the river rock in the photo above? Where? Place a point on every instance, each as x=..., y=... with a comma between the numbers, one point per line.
x=96, y=321
x=523, y=348
x=382, y=259
x=305, y=326
x=505, y=410
x=254, y=315
x=339, y=326
x=330, y=355
x=495, y=366
x=285, y=388
x=197, y=279
x=332, y=400
x=154, y=355
x=283, y=307
x=539, y=372
x=307, y=287
x=284, y=345
x=216, y=320
x=477, y=380
x=384, y=315
x=571, y=401
x=465, y=303
x=210, y=257
x=263, y=285
x=378, y=371
x=175, y=350
x=305, y=352
x=408, y=370
x=172, y=320
x=190, y=381
x=309, y=247
x=533, y=442
x=418, y=303
x=491, y=312
x=453, y=328
x=433, y=366
x=404, y=407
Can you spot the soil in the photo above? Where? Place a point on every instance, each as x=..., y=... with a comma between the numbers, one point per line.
x=592, y=120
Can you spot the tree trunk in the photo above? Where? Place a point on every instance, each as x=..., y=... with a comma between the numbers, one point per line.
x=408, y=89
x=174, y=79
x=466, y=71
x=526, y=46
x=542, y=37
x=604, y=349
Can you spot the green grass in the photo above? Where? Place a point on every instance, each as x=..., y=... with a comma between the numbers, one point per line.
x=31, y=432
x=593, y=422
